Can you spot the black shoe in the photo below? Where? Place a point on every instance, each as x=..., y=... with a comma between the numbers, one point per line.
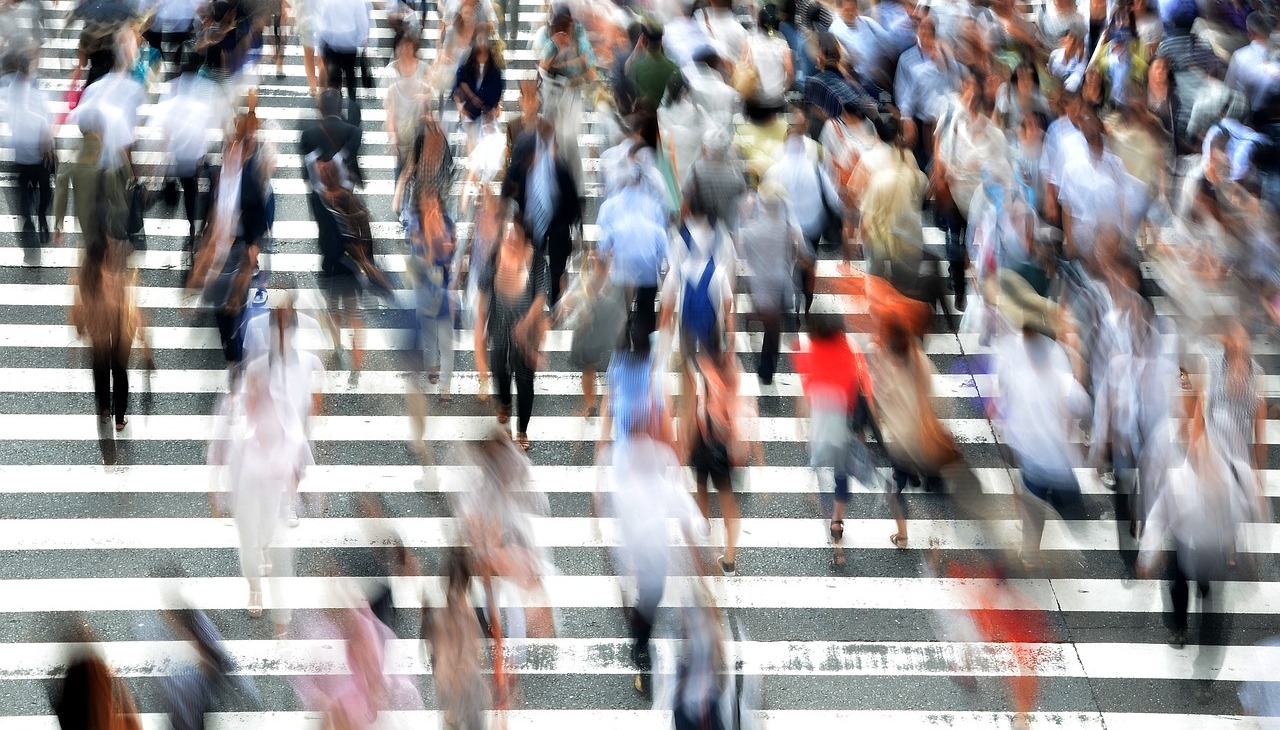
x=960, y=302
x=1178, y=638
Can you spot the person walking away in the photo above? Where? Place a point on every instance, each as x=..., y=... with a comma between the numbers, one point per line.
x=836, y=382
x=455, y=649
x=100, y=202
x=91, y=697
x=633, y=245
x=697, y=294
x=771, y=245
x=343, y=32
x=716, y=449
x=105, y=314
x=1039, y=400
x=510, y=324
x=26, y=110
x=596, y=313
x=647, y=498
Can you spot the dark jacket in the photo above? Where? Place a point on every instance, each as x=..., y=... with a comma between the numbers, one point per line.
x=488, y=88
x=568, y=212
x=328, y=136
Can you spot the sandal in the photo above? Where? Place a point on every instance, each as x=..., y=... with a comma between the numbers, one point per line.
x=504, y=414
x=837, y=561
x=899, y=541
x=121, y=424
x=522, y=440
x=837, y=530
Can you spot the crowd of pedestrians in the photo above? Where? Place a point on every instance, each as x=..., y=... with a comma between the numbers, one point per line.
x=1074, y=161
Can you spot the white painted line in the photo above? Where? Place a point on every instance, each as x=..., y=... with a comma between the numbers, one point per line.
x=156, y=297
x=744, y=592
x=160, y=479
x=63, y=427
x=117, y=533
x=375, y=339
x=68, y=258
x=385, y=382
x=611, y=657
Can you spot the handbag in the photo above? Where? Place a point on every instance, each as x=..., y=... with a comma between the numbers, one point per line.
x=746, y=78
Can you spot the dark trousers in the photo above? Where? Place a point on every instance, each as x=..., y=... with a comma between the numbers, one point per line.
x=953, y=228
x=645, y=315
x=34, y=190
x=924, y=143
x=507, y=363
x=111, y=380
x=341, y=66
x=771, y=344
x=558, y=263
x=641, y=619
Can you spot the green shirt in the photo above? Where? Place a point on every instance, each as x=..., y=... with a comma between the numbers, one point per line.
x=651, y=72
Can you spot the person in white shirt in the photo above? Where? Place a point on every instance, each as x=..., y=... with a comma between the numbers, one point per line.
x=721, y=26
x=1096, y=192
x=1039, y=399
x=711, y=93
x=343, y=31
x=26, y=110
x=1248, y=71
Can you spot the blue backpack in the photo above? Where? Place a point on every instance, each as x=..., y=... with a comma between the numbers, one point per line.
x=699, y=319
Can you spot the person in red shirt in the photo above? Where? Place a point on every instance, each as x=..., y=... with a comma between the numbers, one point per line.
x=835, y=379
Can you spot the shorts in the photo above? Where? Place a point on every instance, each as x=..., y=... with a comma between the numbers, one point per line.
x=341, y=293
x=710, y=462
x=689, y=348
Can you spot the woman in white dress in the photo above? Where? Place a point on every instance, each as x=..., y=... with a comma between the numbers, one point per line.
x=407, y=94
x=266, y=451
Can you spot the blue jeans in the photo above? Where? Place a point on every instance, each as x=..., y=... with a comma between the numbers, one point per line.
x=1057, y=492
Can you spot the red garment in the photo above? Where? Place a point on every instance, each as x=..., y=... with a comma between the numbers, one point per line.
x=834, y=365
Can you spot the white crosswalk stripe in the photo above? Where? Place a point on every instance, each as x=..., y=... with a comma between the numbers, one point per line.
x=119, y=545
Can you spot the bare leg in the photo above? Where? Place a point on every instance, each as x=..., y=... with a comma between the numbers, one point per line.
x=588, y=390
x=704, y=501
x=309, y=65
x=729, y=508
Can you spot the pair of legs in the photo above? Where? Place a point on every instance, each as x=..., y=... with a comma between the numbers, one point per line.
x=723, y=482
x=111, y=380
x=344, y=311
x=1045, y=494
x=35, y=190
x=771, y=344
x=506, y=364
x=340, y=69
x=258, y=516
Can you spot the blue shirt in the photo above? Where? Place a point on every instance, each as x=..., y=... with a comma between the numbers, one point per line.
x=632, y=239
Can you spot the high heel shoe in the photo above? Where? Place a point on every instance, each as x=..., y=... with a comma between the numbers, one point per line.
x=255, y=604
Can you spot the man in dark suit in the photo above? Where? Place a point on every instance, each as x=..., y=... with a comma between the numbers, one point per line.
x=539, y=183
x=331, y=135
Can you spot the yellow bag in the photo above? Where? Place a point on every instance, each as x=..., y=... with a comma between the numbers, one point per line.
x=746, y=79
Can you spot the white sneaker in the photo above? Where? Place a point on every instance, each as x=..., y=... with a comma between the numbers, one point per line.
x=291, y=516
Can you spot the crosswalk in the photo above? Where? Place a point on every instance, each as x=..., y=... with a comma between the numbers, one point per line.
x=115, y=547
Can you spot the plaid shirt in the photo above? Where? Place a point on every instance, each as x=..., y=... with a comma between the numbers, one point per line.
x=830, y=92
